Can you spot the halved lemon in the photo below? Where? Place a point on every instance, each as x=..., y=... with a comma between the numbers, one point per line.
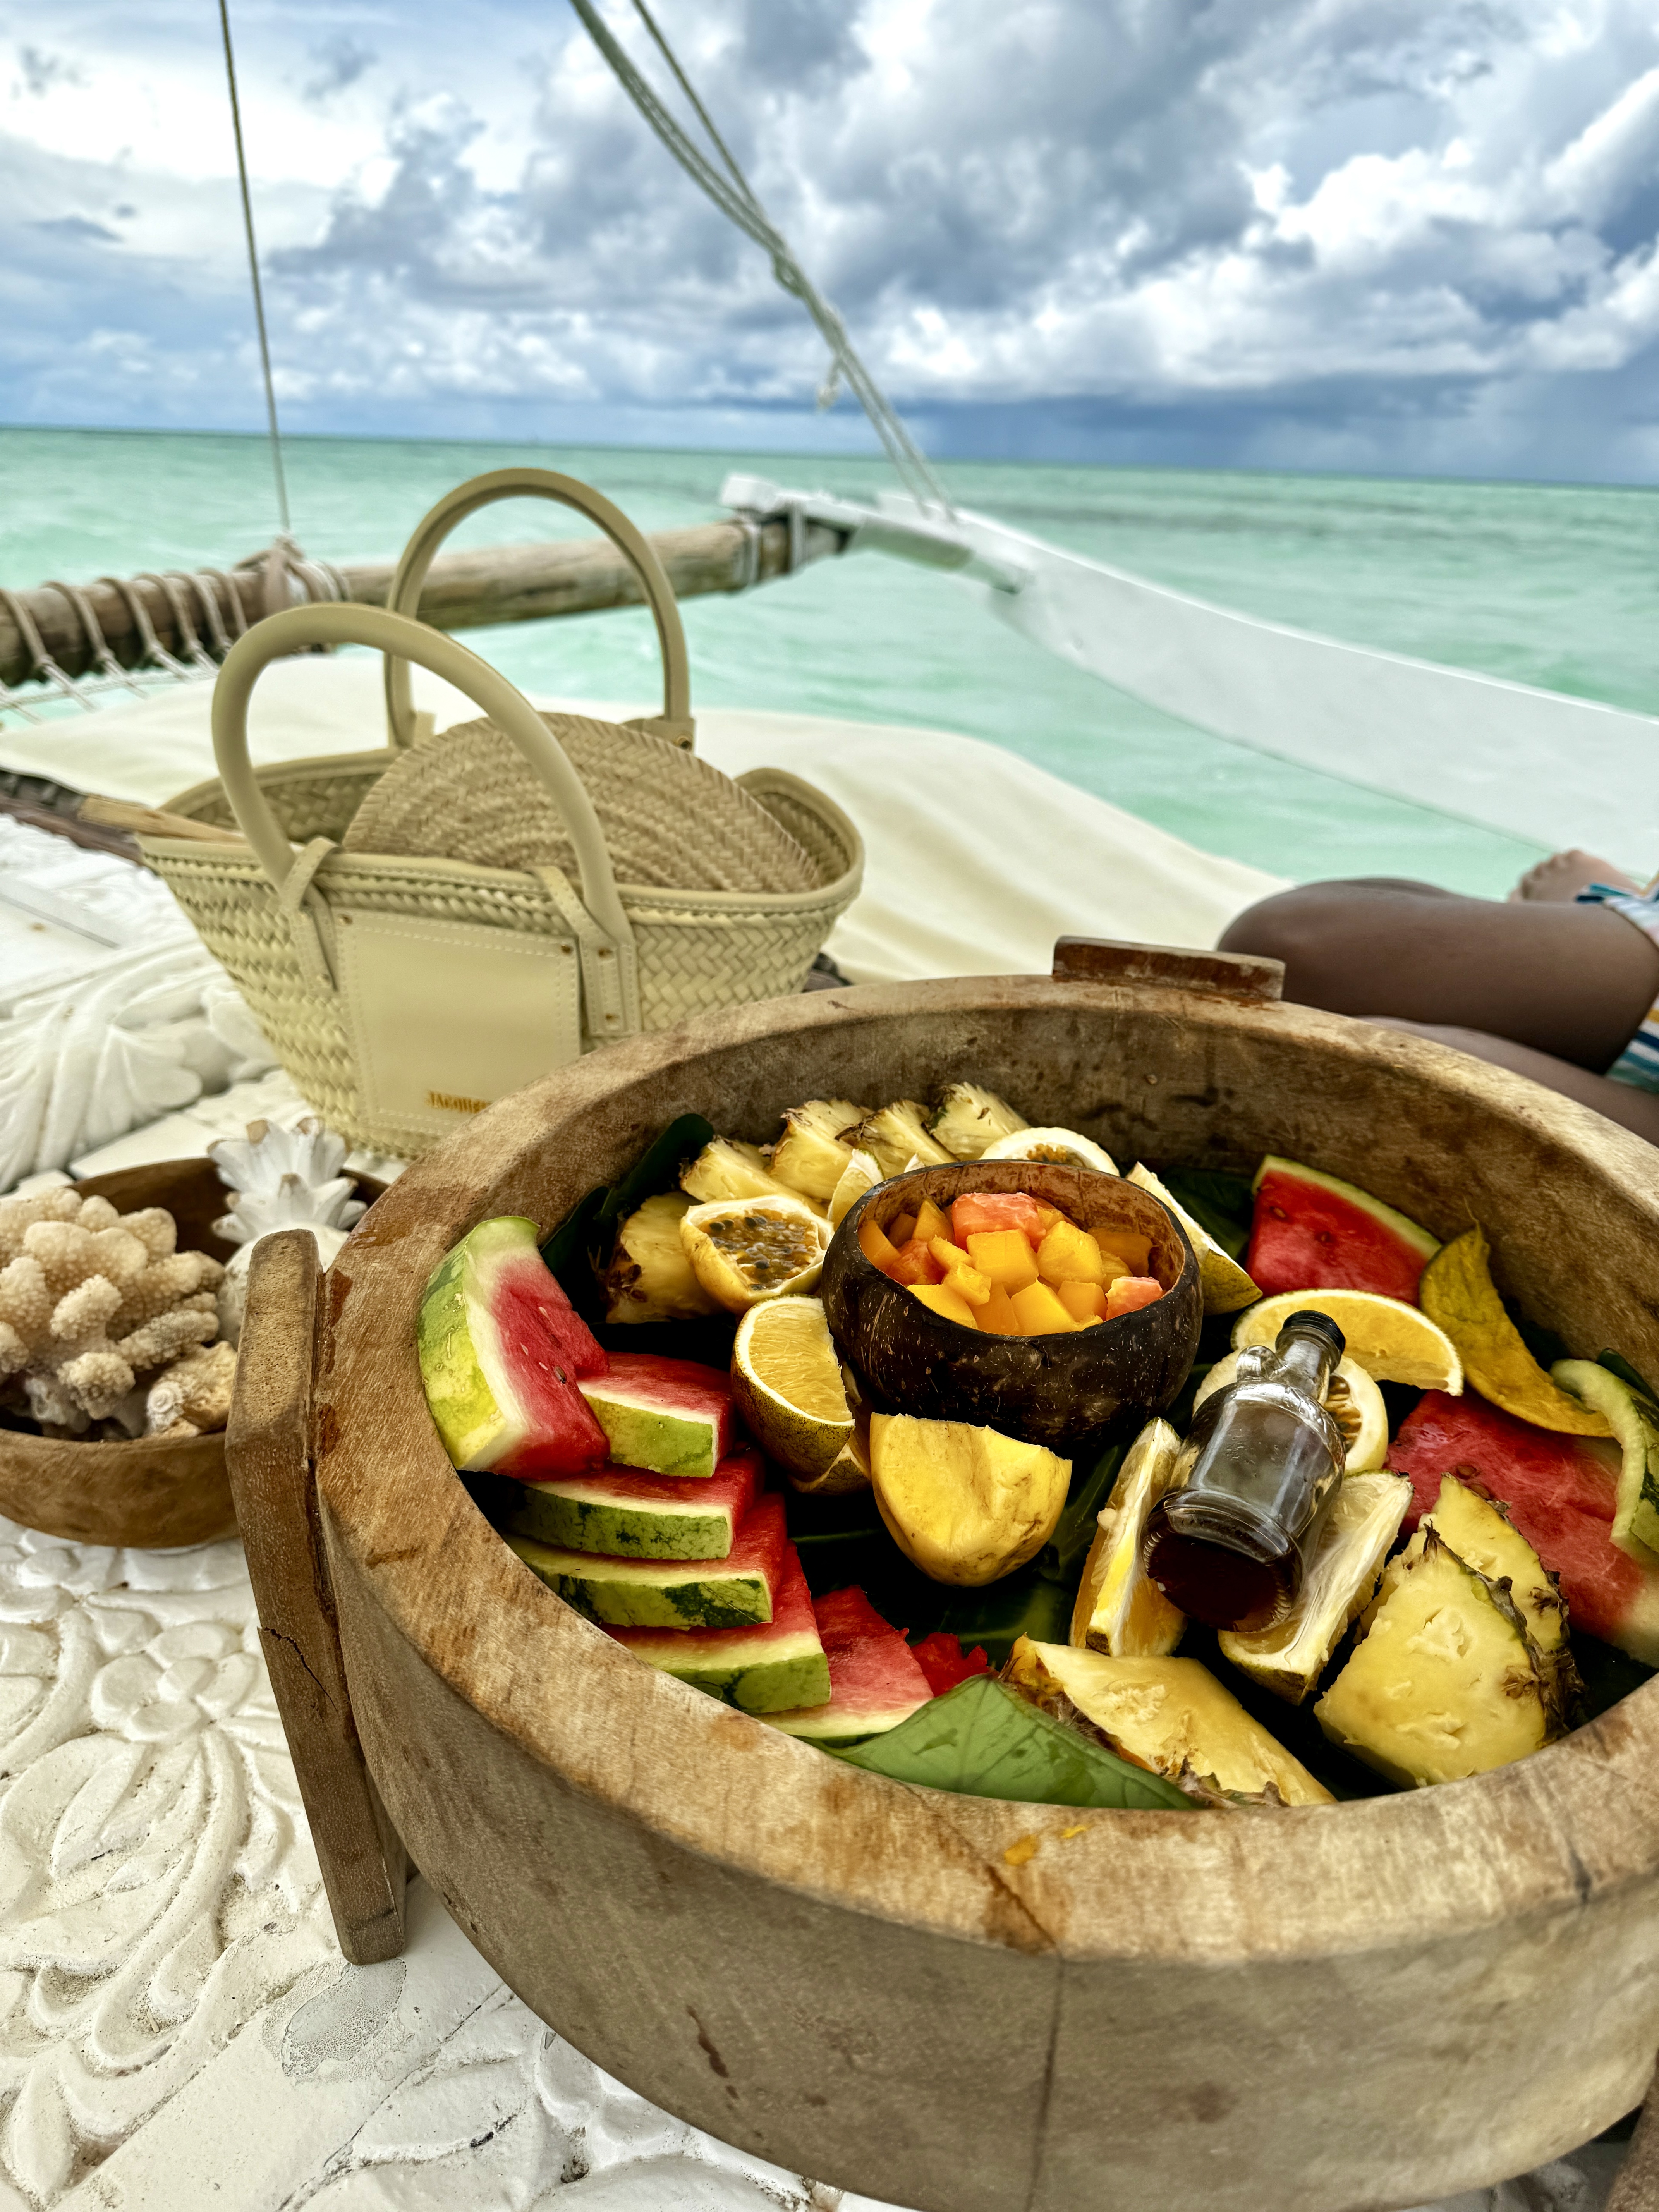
x=1353, y=1401
x=787, y=1381
x=745, y=1249
x=1392, y=1342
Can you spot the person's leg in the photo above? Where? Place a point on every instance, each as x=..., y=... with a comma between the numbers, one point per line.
x=1561, y=878
x=1632, y=1109
x=1574, y=981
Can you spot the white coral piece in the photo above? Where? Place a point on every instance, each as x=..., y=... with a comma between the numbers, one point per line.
x=91, y=1300
x=282, y=1179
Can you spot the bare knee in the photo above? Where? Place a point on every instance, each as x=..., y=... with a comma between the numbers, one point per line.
x=1330, y=936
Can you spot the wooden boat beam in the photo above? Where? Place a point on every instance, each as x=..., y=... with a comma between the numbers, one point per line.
x=467, y=590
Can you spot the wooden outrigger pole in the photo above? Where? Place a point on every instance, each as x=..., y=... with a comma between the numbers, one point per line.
x=58, y=634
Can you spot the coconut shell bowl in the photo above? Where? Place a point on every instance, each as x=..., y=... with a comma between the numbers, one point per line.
x=947, y=2002
x=151, y=1494
x=1046, y=1390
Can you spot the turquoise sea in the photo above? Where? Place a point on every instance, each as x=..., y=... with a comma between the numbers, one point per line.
x=1552, y=584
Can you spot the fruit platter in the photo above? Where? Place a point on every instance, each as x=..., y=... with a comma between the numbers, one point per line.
x=751, y=1520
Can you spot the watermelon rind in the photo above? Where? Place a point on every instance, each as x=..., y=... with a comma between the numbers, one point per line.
x=485, y=1420
x=1413, y=1246
x=875, y=1679
x=1635, y=1424
x=669, y=1416
x=777, y=1667
x=652, y=1593
x=625, y=1513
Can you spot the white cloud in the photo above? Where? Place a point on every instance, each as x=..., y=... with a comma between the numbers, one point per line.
x=1361, y=229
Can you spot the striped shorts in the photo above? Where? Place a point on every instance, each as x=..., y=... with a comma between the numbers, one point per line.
x=1638, y=1063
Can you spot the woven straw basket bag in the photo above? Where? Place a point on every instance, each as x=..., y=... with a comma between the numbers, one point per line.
x=404, y=987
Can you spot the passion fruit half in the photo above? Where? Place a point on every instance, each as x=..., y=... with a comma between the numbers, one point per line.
x=1043, y=1390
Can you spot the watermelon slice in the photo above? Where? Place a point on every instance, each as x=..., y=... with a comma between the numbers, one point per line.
x=1561, y=1492
x=1313, y=1232
x=875, y=1681
x=627, y=1514
x=770, y=1669
x=501, y=1350
x=730, y=1593
x=668, y=1416
x=943, y=1661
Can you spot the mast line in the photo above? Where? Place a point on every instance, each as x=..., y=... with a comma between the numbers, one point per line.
x=254, y=272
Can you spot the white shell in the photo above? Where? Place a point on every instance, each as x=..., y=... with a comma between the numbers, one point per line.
x=1035, y=1144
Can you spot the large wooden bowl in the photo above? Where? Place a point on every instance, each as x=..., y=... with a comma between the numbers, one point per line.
x=1046, y=1389
x=944, y=2002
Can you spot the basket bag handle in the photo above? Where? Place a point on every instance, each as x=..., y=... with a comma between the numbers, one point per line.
x=613, y=971
x=675, y=722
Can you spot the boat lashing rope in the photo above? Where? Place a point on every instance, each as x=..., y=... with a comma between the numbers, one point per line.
x=254, y=272
x=724, y=182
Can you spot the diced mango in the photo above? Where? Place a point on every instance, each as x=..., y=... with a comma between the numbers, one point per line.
x=1004, y=1257
x=1070, y=1254
x=980, y=1211
x=997, y=1316
x=1084, y=1302
x=902, y=1228
x=1047, y=1214
x=948, y=1254
x=914, y=1263
x=876, y=1245
x=967, y=1282
x=1135, y=1251
x=1130, y=1292
x=1039, y=1312
x=931, y=1222
x=940, y=1298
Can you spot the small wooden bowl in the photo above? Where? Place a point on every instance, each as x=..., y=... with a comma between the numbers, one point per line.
x=151, y=1494
x=1044, y=1389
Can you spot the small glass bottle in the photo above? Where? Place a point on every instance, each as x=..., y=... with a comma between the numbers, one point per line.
x=1229, y=1543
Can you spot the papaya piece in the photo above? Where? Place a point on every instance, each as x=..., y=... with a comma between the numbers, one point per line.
x=1130, y=1292
x=985, y=1211
x=1458, y=1295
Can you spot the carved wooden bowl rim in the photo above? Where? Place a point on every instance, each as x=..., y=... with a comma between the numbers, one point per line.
x=1568, y=1825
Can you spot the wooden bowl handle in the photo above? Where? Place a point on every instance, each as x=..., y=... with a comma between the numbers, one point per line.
x=269, y=1451
x=1168, y=966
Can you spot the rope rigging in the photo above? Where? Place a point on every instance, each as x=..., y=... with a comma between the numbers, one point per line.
x=254, y=272
x=732, y=194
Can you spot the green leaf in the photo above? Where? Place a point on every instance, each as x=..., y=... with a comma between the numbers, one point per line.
x=1222, y=1204
x=1622, y=1368
x=983, y=1740
x=589, y=1226
x=1060, y=1560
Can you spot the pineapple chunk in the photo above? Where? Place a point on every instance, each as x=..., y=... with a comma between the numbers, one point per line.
x=649, y=1278
x=1084, y=1302
x=932, y=1223
x=896, y=1135
x=968, y=1119
x=811, y=1155
x=1070, y=1254
x=1127, y=1244
x=948, y=1303
x=1004, y=1257
x=860, y=1174
x=726, y=1168
x=1039, y=1312
x=1120, y=1609
x=996, y=1317
x=1170, y=1716
x=1364, y=1520
x=1482, y=1533
x=1448, y=1683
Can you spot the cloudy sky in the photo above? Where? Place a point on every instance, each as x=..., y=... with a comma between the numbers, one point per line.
x=1397, y=234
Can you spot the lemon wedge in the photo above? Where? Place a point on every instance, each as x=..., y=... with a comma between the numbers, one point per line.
x=786, y=1382
x=745, y=1249
x=1353, y=1401
x=1392, y=1342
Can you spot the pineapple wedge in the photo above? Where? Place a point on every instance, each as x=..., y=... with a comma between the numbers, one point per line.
x=1170, y=1716
x=1448, y=1683
x=968, y=1119
x=811, y=1155
x=726, y=1168
x=650, y=1277
x=896, y=1135
x=1119, y=1608
x=1363, y=1522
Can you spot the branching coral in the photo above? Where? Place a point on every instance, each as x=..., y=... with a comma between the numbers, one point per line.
x=91, y=1301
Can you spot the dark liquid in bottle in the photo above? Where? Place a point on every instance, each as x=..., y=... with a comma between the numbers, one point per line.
x=1223, y=1588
